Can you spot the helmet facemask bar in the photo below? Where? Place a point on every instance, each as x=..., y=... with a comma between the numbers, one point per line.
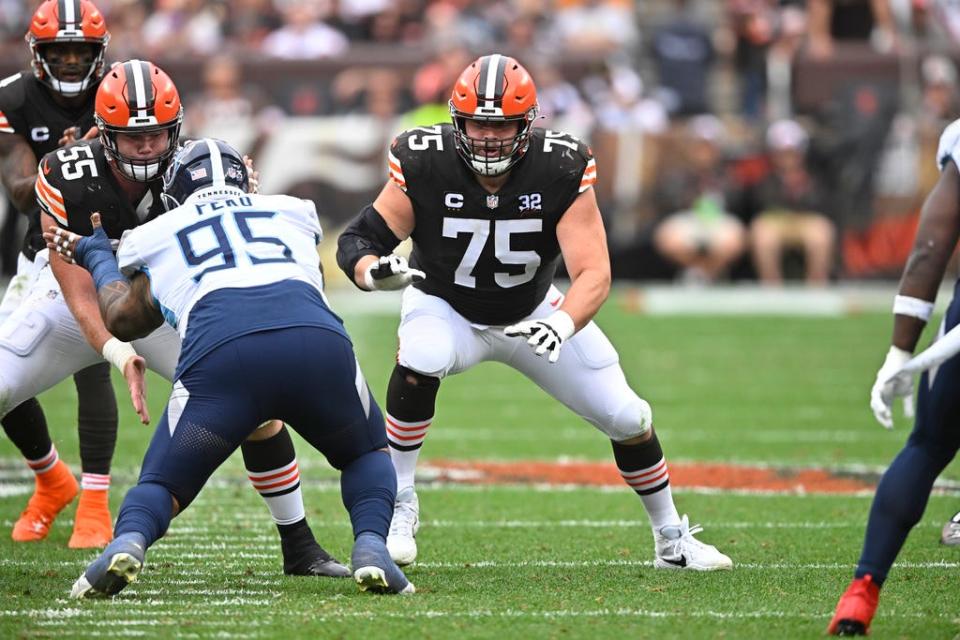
x=140, y=169
x=46, y=72
x=474, y=150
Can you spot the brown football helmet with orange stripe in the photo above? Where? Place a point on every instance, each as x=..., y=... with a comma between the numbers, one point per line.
x=493, y=88
x=57, y=22
x=137, y=97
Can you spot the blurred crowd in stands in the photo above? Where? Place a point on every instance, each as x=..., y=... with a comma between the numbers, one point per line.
x=736, y=139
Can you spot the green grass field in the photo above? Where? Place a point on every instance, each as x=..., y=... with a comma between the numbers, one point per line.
x=513, y=561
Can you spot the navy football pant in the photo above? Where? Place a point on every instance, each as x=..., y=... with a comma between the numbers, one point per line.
x=905, y=487
x=307, y=377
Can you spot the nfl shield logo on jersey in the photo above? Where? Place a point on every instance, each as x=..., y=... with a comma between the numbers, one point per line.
x=493, y=202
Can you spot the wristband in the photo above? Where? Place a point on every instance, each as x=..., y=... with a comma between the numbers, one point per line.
x=914, y=307
x=118, y=353
x=562, y=323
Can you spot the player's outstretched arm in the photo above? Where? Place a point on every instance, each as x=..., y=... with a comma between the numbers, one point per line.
x=936, y=238
x=365, y=248
x=127, y=307
x=583, y=244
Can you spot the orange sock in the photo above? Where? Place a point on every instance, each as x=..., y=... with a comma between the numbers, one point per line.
x=92, y=527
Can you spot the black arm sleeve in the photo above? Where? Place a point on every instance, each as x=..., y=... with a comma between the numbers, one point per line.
x=367, y=235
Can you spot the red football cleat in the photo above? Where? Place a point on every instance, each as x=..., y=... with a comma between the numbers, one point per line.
x=856, y=608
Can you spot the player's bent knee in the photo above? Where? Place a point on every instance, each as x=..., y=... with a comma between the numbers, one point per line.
x=433, y=359
x=633, y=421
x=416, y=378
x=266, y=430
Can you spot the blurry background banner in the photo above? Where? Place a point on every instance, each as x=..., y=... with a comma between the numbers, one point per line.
x=316, y=90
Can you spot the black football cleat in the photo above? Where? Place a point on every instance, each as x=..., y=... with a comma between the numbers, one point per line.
x=303, y=556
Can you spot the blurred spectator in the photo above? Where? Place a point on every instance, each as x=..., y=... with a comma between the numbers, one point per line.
x=754, y=24
x=400, y=22
x=250, y=21
x=616, y=94
x=683, y=52
x=459, y=22
x=367, y=91
x=938, y=17
x=304, y=34
x=178, y=28
x=357, y=16
x=14, y=15
x=780, y=58
x=226, y=108
x=864, y=20
x=126, y=22
x=561, y=106
x=432, y=85
x=791, y=210
x=595, y=26
x=939, y=106
x=697, y=231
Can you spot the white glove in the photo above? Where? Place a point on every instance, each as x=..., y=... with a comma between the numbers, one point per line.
x=892, y=382
x=546, y=334
x=389, y=273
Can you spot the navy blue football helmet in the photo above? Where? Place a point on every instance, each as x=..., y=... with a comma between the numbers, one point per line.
x=207, y=164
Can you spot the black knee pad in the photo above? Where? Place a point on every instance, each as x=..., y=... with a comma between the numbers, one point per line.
x=411, y=396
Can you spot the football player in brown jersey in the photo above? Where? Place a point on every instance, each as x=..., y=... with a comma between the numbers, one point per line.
x=491, y=203
x=40, y=110
x=119, y=175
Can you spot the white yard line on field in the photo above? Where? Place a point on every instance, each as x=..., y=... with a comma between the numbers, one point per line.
x=231, y=564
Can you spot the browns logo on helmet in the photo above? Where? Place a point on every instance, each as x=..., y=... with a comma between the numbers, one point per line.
x=494, y=88
x=62, y=22
x=137, y=97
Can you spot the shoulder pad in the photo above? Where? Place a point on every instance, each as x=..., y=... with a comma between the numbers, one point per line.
x=411, y=150
x=568, y=153
x=949, y=143
x=49, y=197
x=53, y=188
x=12, y=98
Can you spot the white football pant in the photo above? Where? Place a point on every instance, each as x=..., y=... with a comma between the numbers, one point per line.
x=437, y=341
x=41, y=344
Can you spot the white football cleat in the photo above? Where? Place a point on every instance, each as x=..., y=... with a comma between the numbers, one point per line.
x=401, y=540
x=678, y=549
x=951, y=532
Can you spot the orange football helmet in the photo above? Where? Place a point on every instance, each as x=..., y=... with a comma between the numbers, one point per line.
x=493, y=88
x=138, y=97
x=67, y=21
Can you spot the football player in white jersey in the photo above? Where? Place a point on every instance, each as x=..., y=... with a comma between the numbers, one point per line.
x=59, y=329
x=491, y=203
x=904, y=489
x=237, y=275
